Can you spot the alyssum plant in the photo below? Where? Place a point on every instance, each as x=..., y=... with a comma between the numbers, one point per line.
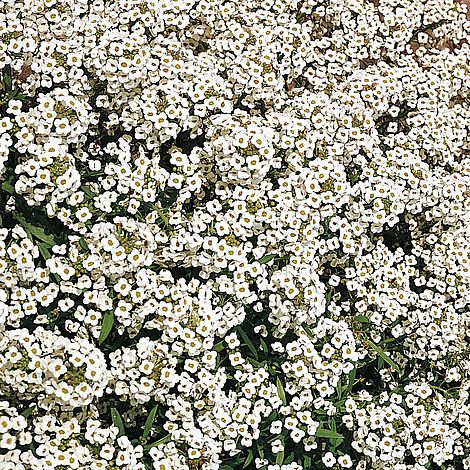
x=234, y=234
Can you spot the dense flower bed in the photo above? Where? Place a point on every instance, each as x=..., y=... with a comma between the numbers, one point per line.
x=234, y=234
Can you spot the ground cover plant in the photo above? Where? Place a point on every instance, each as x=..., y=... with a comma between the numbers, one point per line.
x=234, y=234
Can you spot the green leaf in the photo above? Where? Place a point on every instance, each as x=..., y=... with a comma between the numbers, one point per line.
x=380, y=363
x=248, y=342
x=280, y=391
x=12, y=94
x=20, y=96
x=255, y=362
x=388, y=340
x=332, y=423
x=334, y=441
x=93, y=173
x=33, y=231
x=117, y=421
x=266, y=258
x=218, y=347
x=44, y=250
x=351, y=379
x=7, y=187
x=45, y=253
x=339, y=388
x=162, y=215
x=328, y=296
x=27, y=412
x=149, y=421
x=289, y=459
x=41, y=235
x=84, y=244
x=328, y=434
x=249, y=459
x=163, y=440
x=307, y=461
x=7, y=77
x=106, y=326
x=88, y=191
x=362, y=318
x=307, y=330
x=264, y=346
x=280, y=458
x=381, y=353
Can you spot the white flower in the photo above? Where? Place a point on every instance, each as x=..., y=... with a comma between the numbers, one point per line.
x=328, y=460
x=7, y=441
x=83, y=214
x=345, y=461
x=232, y=341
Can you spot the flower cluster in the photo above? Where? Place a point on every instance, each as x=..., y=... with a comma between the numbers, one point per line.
x=51, y=369
x=144, y=373
x=418, y=426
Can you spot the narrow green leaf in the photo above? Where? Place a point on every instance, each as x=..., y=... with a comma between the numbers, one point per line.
x=163, y=440
x=351, y=379
x=380, y=363
x=332, y=424
x=218, y=347
x=266, y=258
x=248, y=342
x=44, y=250
x=7, y=77
x=328, y=434
x=33, y=231
x=106, y=326
x=162, y=215
x=93, y=173
x=307, y=330
x=307, y=461
x=334, y=441
x=362, y=318
x=117, y=421
x=280, y=391
x=280, y=458
x=88, y=191
x=41, y=235
x=45, y=253
x=328, y=296
x=27, y=412
x=339, y=389
x=391, y=340
x=381, y=353
x=84, y=244
x=289, y=459
x=149, y=421
x=255, y=362
x=7, y=187
x=12, y=94
x=249, y=459
x=264, y=346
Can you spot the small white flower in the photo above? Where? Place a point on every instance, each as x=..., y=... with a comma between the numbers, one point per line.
x=329, y=460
